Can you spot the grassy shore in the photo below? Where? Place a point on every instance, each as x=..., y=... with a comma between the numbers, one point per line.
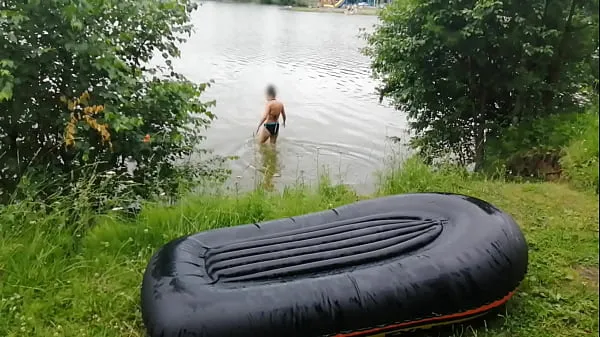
x=360, y=11
x=83, y=279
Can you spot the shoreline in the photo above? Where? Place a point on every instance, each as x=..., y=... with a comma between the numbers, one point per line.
x=361, y=11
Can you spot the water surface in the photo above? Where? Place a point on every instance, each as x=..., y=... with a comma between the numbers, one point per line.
x=314, y=60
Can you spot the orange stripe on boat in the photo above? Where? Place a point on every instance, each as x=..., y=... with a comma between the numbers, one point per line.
x=479, y=310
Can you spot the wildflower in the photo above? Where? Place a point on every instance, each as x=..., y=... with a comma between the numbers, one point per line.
x=147, y=138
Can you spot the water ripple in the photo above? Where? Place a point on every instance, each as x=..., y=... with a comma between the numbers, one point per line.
x=334, y=118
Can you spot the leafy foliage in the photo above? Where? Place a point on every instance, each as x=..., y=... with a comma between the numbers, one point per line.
x=533, y=148
x=560, y=145
x=54, y=51
x=466, y=70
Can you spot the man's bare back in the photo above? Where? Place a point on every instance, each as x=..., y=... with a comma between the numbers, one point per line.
x=270, y=118
x=273, y=110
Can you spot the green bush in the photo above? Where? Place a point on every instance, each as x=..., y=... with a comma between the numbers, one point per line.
x=580, y=158
x=79, y=91
x=533, y=148
x=464, y=71
x=563, y=145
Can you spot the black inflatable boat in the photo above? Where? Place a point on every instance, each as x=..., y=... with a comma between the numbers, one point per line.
x=369, y=268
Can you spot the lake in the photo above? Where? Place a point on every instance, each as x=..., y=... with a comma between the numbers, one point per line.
x=335, y=123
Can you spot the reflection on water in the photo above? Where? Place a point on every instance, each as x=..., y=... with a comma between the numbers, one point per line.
x=314, y=60
x=270, y=165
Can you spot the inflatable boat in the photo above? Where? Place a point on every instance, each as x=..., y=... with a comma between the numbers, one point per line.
x=370, y=268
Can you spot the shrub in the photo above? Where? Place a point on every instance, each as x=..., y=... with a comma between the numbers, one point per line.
x=556, y=147
x=466, y=70
x=533, y=148
x=77, y=90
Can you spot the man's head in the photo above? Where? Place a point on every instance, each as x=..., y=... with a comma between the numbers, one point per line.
x=271, y=93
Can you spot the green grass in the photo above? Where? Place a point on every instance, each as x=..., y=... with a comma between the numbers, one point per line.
x=580, y=157
x=58, y=280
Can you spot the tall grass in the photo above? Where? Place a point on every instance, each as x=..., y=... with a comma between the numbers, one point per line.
x=66, y=270
x=66, y=275
x=413, y=175
x=580, y=157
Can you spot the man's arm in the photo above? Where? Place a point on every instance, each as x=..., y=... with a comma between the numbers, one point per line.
x=283, y=115
x=263, y=118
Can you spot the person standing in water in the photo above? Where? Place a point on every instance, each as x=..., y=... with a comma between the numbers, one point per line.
x=270, y=118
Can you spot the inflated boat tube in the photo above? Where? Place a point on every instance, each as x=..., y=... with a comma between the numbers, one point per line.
x=369, y=268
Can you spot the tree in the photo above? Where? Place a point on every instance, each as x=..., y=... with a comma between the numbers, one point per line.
x=58, y=57
x=465, y=70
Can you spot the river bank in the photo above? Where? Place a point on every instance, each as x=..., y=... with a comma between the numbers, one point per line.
x=301, y=6
x=83, y=279
x=360, y=11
